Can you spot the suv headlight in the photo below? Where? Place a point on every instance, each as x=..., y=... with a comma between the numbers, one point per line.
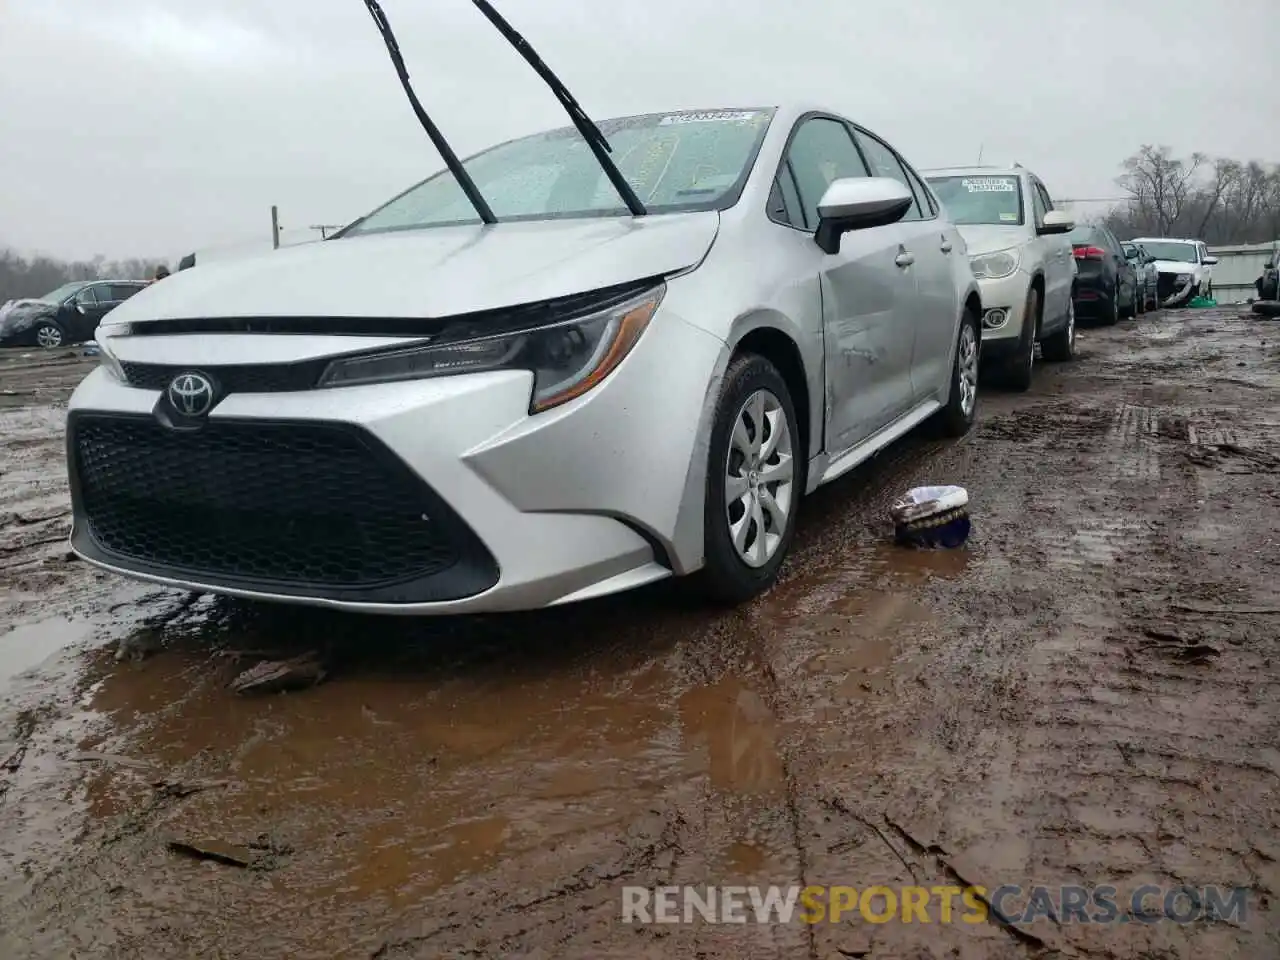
x=993, y=266
x=567, y=358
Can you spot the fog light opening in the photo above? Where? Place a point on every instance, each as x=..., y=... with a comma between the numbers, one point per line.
x=995, y=319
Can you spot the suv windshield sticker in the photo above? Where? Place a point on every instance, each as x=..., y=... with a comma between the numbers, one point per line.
x=713, y=116
x=990, y=185
x=1009, y=217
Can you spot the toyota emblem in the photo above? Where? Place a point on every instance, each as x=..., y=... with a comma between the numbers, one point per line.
x=191, y=394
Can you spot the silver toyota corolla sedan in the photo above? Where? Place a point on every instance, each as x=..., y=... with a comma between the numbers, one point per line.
x=549, y=373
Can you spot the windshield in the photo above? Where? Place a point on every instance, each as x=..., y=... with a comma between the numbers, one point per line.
x=675, y=162
x=973, y=200
x=1181, y=252
x=64, y=291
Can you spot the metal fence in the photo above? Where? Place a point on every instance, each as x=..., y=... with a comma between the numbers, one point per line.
x=1238, y=266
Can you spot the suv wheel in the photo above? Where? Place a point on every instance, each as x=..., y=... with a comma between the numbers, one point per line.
x=1061, y=346
x=1017, y=372
x=49, y=335
x=755, y=475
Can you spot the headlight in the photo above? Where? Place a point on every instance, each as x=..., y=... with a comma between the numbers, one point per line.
x=106, y=357
x=567, y=358
x=1184, y=278
x=993, y=266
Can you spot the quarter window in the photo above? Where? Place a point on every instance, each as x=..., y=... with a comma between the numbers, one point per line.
x=821, y=152
x=884, y=163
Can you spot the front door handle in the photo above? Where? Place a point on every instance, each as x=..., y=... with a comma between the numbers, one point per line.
x=946, y=246
x=905, y=259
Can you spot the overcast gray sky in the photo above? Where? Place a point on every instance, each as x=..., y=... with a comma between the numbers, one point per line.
x=154, y=127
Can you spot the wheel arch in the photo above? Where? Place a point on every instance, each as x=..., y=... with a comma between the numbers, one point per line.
x=799, y=361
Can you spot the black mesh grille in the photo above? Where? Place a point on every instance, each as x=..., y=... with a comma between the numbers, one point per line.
x=244, y=378
x=317, y=504
x=1166, y=283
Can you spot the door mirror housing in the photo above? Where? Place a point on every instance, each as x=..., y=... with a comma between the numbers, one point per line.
x=1269, y=265
x=857, y=203
x=80, y=308
x=1210, y=261
x=1055, y=221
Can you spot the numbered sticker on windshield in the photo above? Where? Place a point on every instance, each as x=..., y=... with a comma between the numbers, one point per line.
x=1009, y=218
x=711, y=116
x=990, y=185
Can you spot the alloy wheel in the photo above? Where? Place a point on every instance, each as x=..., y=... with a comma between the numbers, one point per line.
x=967, y=368
x=49, y=336
x=759, y=478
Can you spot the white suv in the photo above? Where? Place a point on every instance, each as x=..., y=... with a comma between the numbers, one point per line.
x=1023, y=262
x=1185, y=269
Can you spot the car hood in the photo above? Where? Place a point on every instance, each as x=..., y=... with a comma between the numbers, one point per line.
x=15, y=312
x=1175, y=266
x=437, y=272
x=983, y=238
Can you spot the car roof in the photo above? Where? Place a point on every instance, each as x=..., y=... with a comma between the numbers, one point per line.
x=974, y=171
x=1163, y=240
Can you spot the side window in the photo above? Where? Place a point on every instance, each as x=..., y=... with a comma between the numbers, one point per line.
x=1044, y=195
x=784, y=201
x=122, y=291
x=87, y=296
x=821, y=151
x=922, y=194
x=1037, y=203
x=884, y=163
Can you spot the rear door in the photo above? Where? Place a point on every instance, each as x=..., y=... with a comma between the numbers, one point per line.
x=868, y=300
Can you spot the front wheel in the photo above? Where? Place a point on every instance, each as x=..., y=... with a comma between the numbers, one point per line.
x=958, y=415
x=1018, y=369
x=755, y=475
x=49, y=335
x=1061, y=346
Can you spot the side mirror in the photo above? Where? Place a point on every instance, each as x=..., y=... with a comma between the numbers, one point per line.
x=1269, y=265
x=1055, y=221
x=857, y=203
x=80, y=308
x=1210, y=261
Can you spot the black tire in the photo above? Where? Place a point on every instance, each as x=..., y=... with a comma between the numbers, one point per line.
x=1131, y=310
x=953, y=420
x=1017, y=371
x=1139, y=301
x=50, y=335
x=725, y=577
x=1060, y=347
x=1112, y=316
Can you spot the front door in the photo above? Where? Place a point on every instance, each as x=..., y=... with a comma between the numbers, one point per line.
x=931, y=245
x=1056, y=255
x=868, y=292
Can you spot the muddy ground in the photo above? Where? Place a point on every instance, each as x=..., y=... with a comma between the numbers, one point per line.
x=1086, y=695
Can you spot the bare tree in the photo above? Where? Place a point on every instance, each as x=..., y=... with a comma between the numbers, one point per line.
x=1160, y=183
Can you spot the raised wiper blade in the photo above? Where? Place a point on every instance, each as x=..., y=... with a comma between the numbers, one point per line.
x=590, y=132
x=450, y=158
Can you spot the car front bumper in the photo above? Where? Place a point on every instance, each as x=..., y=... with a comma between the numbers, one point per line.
x=1004, y=309
x=447, y=495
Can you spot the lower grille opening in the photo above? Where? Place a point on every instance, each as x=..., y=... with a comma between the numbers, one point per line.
x=308, y=507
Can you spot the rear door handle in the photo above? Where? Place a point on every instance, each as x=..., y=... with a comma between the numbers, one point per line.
x=905, y=259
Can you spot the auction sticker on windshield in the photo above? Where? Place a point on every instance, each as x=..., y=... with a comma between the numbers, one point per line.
x=990, y=184
x=711, y=116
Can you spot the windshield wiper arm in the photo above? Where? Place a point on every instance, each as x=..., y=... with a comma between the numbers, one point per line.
x=590, y=132
x=450, y=158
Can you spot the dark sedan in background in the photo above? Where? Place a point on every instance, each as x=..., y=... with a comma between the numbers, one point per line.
x=70, y=314
x=1106, y=282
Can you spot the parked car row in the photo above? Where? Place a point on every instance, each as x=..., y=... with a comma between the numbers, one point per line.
x=572, y=364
